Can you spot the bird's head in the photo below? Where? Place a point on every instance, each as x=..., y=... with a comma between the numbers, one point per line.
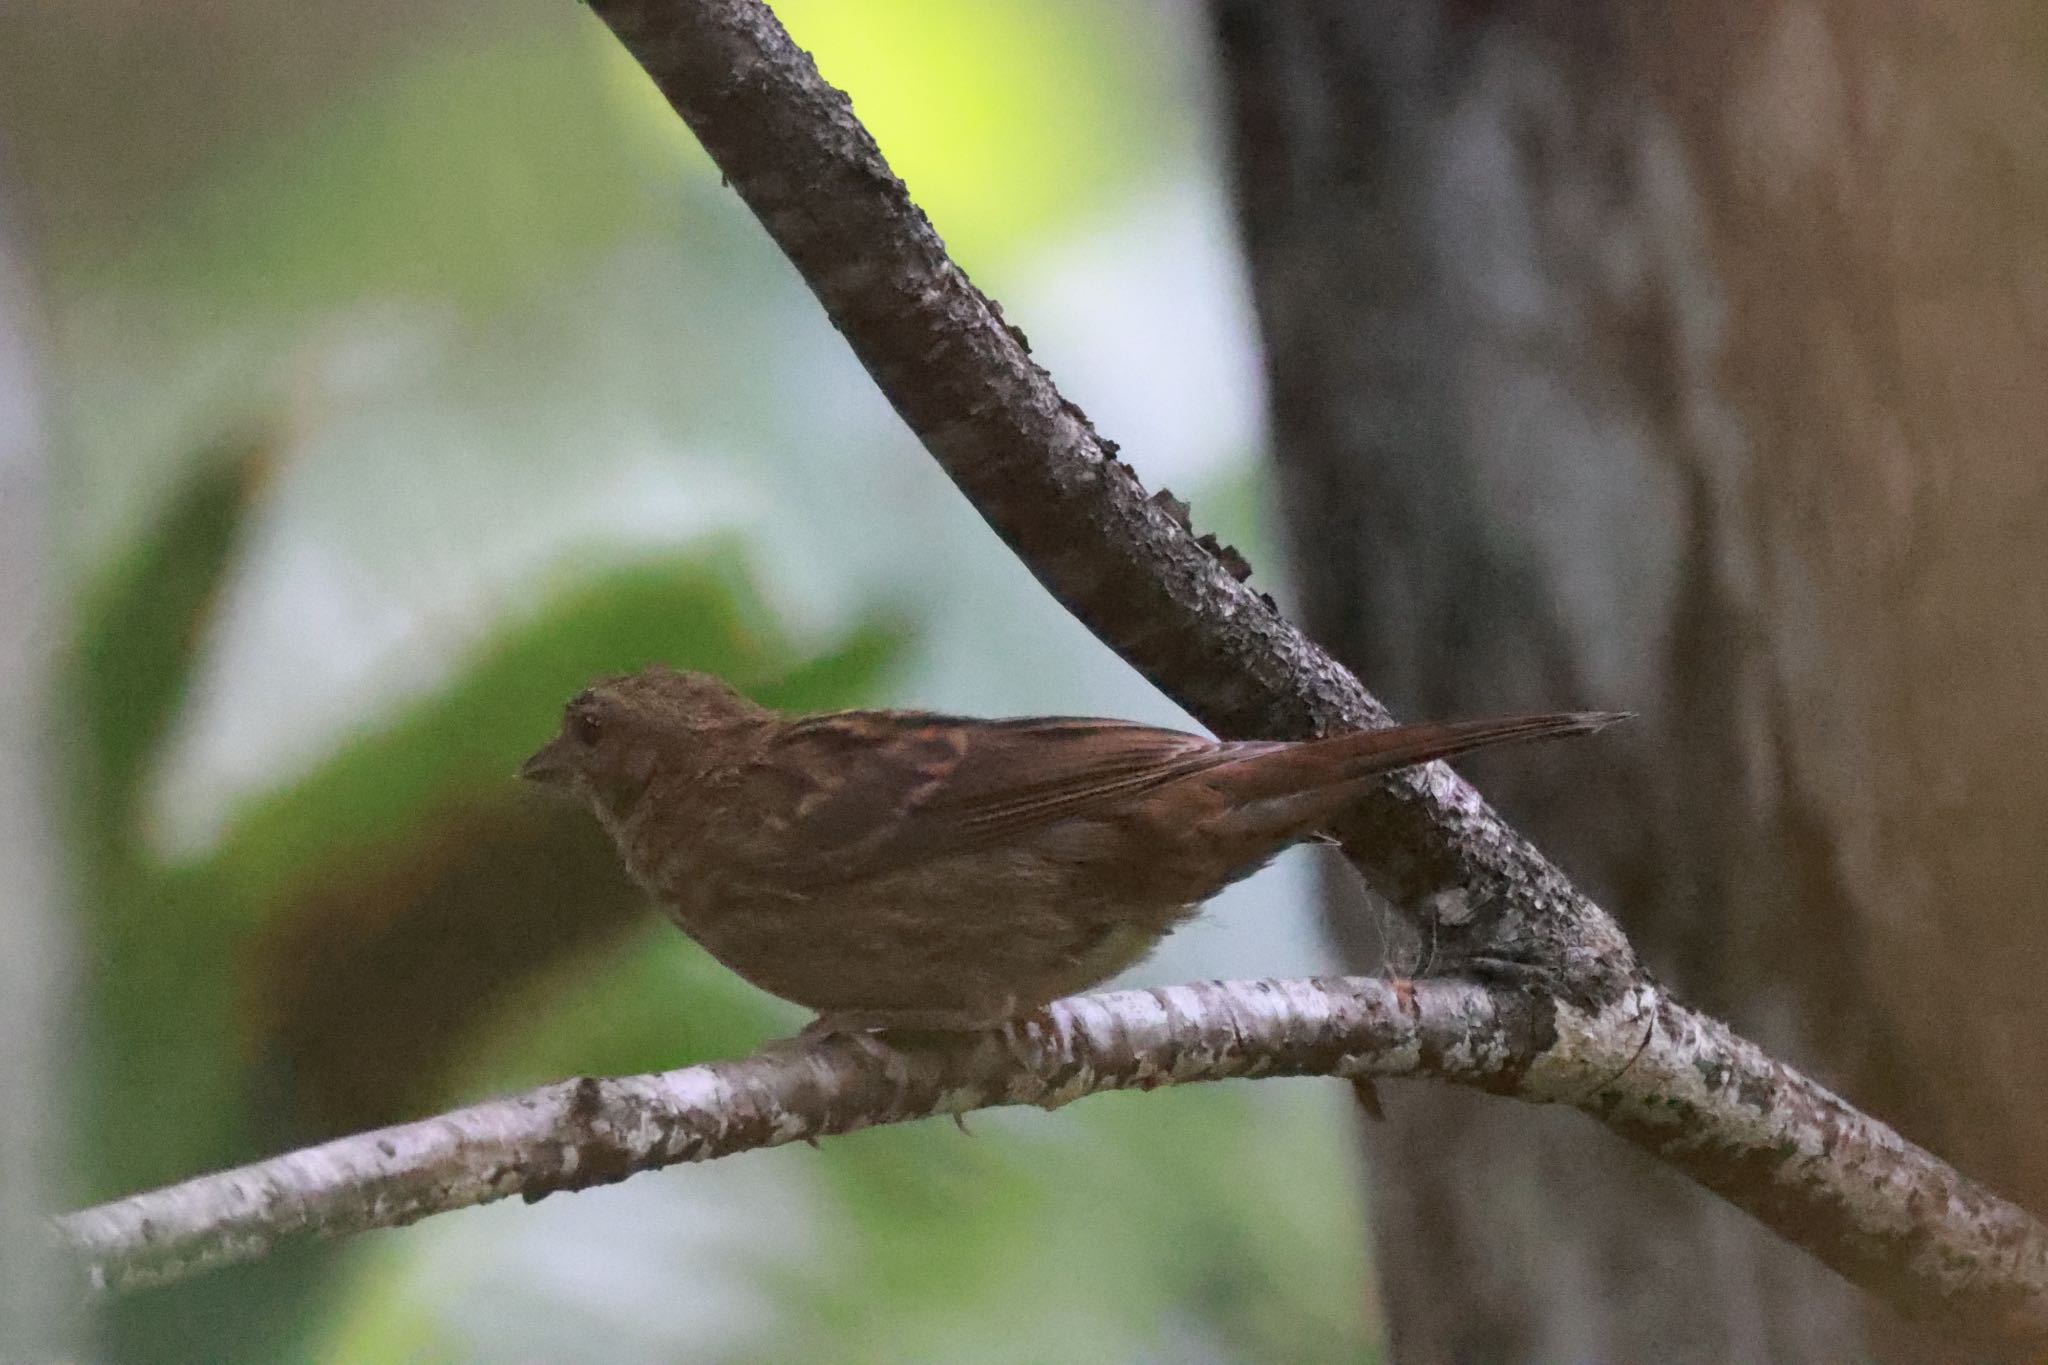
x=620, y=732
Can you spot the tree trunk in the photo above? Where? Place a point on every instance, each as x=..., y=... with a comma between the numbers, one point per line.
x=1690, y=360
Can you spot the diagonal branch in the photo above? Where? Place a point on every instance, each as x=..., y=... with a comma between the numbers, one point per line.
x=1032, y=465
x=1649, y=1068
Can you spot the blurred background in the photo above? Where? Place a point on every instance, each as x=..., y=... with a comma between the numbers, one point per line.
x=372, y=375
x=405, y=366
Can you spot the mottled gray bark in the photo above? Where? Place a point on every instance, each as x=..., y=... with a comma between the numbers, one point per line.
x=33, y=959
x=1684, y=358
x=1649, y=1068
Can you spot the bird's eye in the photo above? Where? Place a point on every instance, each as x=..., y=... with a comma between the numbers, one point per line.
x=586, y=727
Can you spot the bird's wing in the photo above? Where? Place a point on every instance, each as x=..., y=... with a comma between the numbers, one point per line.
x=863, y=792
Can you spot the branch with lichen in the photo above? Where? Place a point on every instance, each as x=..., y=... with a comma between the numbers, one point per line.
x=1647, y=1067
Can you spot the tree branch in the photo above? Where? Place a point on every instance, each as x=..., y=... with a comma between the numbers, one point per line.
x=1125, y=564
x=1648, y=1067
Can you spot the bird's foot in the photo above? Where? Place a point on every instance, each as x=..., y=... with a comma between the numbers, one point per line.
x=1007, y=1018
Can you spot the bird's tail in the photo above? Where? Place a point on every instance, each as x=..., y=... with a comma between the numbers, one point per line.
x=1379, y=751
x=1304, y=784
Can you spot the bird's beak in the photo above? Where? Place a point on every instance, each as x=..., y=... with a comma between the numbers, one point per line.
x=549, y=764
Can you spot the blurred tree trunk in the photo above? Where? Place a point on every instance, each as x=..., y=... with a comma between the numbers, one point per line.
x=1690, y=359
x=33, y=960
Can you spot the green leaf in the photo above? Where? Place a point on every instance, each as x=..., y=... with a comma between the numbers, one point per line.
x=139, y=632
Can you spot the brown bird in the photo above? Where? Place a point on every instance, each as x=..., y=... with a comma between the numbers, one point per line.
x=902, y=869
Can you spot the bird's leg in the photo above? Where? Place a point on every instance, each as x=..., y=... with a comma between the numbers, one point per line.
x=870, y=1028
x=865, y=1025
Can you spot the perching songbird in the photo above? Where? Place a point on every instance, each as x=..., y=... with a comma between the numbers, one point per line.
x=903, y=869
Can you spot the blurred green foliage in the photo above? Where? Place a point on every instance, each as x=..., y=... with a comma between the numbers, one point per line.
x=1004, y=164
x=441, y=176
x=392, y=926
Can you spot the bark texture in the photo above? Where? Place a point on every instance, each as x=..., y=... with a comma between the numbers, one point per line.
x=1684, y=359
x=1882, y=1211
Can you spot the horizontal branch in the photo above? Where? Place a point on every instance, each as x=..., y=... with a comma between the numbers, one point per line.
x=1662, y=1075
x=587, y=1132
